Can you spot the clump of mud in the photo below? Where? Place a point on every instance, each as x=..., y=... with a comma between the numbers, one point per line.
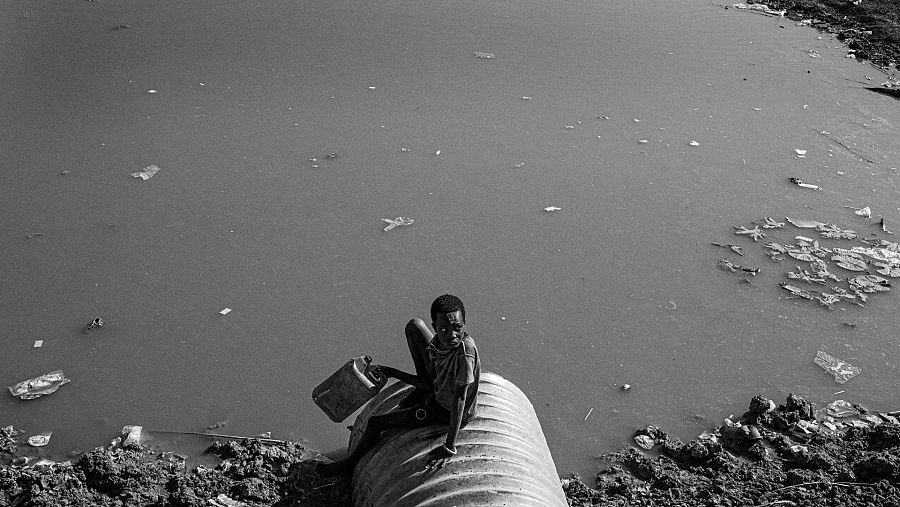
x=789, y=455
x=251, y=474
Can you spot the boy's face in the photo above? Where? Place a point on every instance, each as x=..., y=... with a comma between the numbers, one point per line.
x=449, y=329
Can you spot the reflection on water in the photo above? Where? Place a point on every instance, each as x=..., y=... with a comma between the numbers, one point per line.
x=618, y=286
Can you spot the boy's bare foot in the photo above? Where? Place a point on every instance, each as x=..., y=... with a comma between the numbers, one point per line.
x=335, y=469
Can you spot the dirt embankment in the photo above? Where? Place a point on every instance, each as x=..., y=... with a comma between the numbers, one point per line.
x=787, y=455
x=869, y=28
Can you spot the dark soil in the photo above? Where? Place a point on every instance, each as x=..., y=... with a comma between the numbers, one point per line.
x=250, y=473
x=789, y=455
x=869, y=28
x=792, y=455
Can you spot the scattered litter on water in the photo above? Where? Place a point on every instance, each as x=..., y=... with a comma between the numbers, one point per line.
x=225, y=311
x=151, y=92
x=772, y=224
x=397, y=222
x=40, y=440
x=800, y=153
x=519, y=165
x=671, y=305
x=38, y=344
x=803, y=223
x=121, y=27
x=526, y=98
x=483, y=56
x=97, y=322
x=842, y=370
x=727, y=265
x=35, y=387
x=754, y=233
x=437, y=152
x=694, y=143
x=734, y=248
x=33, y=235
x=799, y=183
x=643, y=141
x=588, y=414
x=865, y=212
x=404, y=150
x=552, y=208
x=626, y=387
x=147, y=173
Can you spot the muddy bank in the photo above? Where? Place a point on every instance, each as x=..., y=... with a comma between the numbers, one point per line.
x=792, y=454
x=870, y=29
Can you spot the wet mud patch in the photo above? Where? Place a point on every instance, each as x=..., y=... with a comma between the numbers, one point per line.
x=792, y=454
x=250, y=473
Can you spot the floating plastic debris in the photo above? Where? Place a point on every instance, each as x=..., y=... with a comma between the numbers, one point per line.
x=519, y=165
x=151, y=92
x=727, y=265
x=800, y=153
x=799, y=183
x=437, y=152
x=36, y=387
x=552, y=208
x=734, y=248
x=863, y=212
x=835, y=232
x=694, y=143
x=483, y=56
x=804, y=224
x=754, y=233
x=526, y=98
x=38, y=344
x=147, y=173
x=772, y=224
x=97, y=322
x=40, y=440
x=225, y=311
x=396, y=222
x=796, y=291
x=842, y=370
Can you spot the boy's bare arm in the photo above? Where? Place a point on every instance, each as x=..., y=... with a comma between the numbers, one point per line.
x=406, y=378
x=456, y=415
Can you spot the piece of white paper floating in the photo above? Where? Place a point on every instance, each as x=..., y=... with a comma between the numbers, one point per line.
x=147, y=173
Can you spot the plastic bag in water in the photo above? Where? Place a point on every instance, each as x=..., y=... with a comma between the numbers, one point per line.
x=842, y=370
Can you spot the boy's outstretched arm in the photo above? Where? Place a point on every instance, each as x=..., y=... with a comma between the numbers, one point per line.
x=406, y=378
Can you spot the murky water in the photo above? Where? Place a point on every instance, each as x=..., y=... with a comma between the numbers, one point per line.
x=619, y=286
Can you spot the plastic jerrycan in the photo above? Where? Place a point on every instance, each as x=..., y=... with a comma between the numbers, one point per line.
x=349, y=388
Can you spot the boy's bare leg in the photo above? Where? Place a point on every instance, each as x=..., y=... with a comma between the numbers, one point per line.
x=418, y=338
x=369, y=438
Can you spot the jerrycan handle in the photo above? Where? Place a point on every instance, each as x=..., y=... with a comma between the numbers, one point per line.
x=375, y=376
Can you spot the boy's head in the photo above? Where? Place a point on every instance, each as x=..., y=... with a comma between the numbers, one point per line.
x=447, y=304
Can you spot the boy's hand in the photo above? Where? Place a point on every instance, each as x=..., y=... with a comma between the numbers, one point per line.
x=387, y=371
x=437, y=458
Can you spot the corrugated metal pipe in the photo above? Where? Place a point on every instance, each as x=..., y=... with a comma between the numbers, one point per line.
x=503, y=456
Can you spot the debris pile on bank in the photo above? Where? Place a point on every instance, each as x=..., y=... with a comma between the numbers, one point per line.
x=789, y=455
x=251, y=474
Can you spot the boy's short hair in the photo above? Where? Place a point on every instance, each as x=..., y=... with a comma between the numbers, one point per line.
x=445, y=304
